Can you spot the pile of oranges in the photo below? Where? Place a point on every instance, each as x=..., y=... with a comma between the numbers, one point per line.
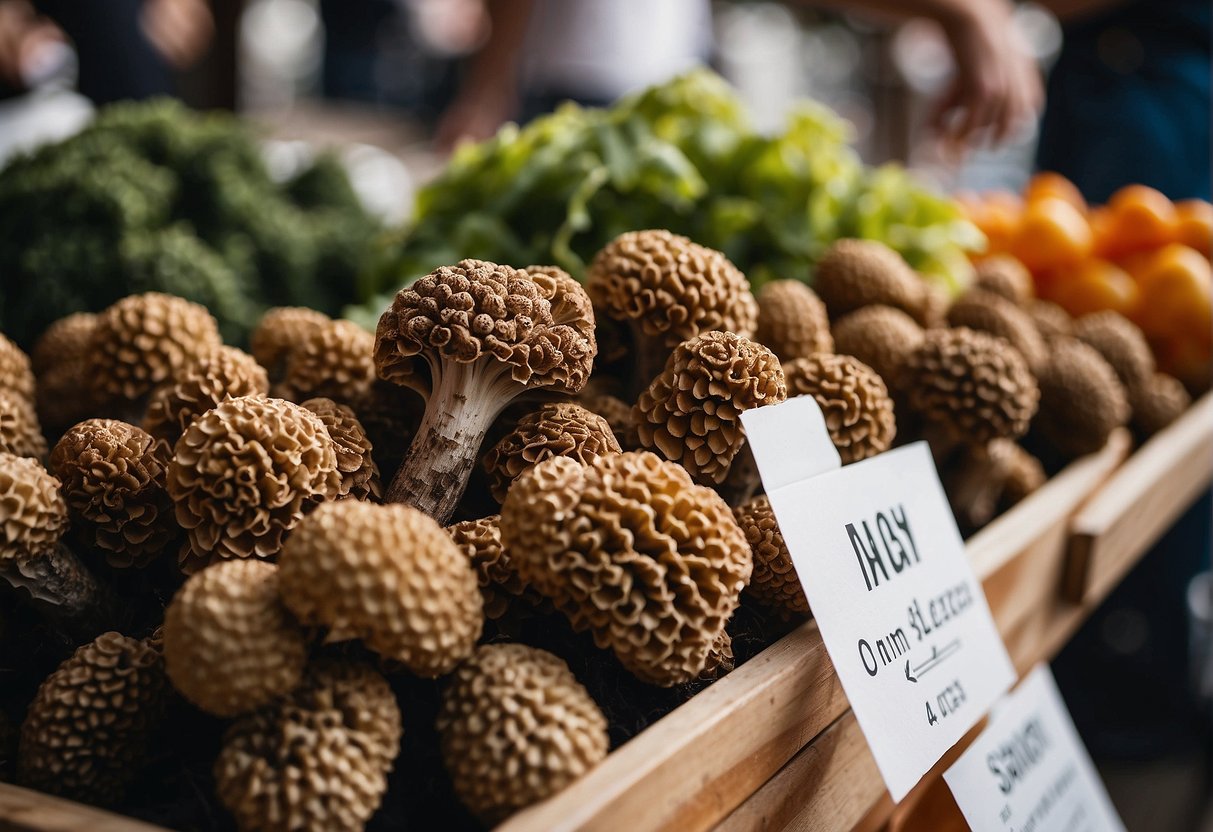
x=1141, y=255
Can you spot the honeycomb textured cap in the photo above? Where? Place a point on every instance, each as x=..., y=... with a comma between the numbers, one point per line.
x=16, y=375
x=279, y=332
x=1157, y=403
x=631, y=549
x=33, y=515
x=774, y=583
x=60, y=359
x=20, y=429
x=570, y=303
x=142, y=341
x=479, y=310
x=66, y=340
x=388, y=575
x=1081, y=399
x=333, y=359
x=480, y=542
x=988, y=312
x=976, y=386
x=853, y=398
x=1025, y=474
x=879, y=336
x=359, y=473
x=1005, y=276
x=226, y=373
x=792, y=320
x=856, y=273
x=557, y=429
x=1051, y=320
x=671, y=288
x=87, y=732
x=114, y=484
x=317, y=759
x=1121, y=343
x=691, y=413
x=516, y=727
x=230, y=646
x=245, y=473
x=618, y=414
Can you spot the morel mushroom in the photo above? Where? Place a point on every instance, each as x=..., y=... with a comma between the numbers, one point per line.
x=388, y=575
x=558, y=429
x=857, y=273
x=480, y=542
x=1157, y=402
x=1120, y=342
x=853, y=398
x=60, y=358
x=279, y=332
x=879, y=336
x=317, y=759
x=981, y=480
x=691, y=412
x=516, y=727
x=471, y=338
x=359, y=473
x=1051, y=320
x=230, y=646
x=631, y=549
x=988, y=312
x=88, y=730
x=618, y=414
x=792, y=320
x=16, y=374
x=1004, y=275
x=114, y=484
x=333, y=359
x=244, y=474
x=774, y=582
x=20, y=431
x=1081, y=399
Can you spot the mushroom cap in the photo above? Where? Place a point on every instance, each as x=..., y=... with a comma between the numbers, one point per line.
x=142, y=341
x=388, y=575
x=1120, y=342
x=226, y=373
x=879, y=336
x=721, y=661
x=975, y=385
x=1025, y=474
x=479, y=310
x=60, y=359
x=33, y=514
x=618, y=414
x=333, y=359
x=480, y=542
x=86, y=733
x=670, y=288
x=556, y=429
x=691, y=412
x=359, y=473
x=1081, y=398
x=16, y=374
x=1157, y=403
x=853, y=398
x=114, y=483
x=244, y=474
x=20, y=430
x=631, y=549
x=774, y=582
x=316, y=759
x=279, y=332
x=1051, y=320
x=988, y=312
x=230, y=646
x=1005, y=276
x=792, y=320
x=570, y=303
x=516, y=727
x=856, y=273
x=66, y=340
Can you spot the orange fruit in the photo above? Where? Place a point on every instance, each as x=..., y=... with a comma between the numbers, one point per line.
x=1142, y=218
x=1176, y=294
x=1091, y=286
x=1194, y=224
x=1047, y=183
x=1188, y=359
x=996, y=214
x=1051, y=233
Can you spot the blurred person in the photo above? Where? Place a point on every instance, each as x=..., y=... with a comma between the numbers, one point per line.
x=540, y=52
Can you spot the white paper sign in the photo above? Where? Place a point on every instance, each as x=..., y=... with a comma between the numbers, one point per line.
x=1029, y=771
x=901, y=613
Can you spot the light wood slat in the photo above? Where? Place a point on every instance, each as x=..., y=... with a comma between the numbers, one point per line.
x=22, y=810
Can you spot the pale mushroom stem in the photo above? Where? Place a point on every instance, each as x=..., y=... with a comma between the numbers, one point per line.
x=651, y=355
x=63, y=588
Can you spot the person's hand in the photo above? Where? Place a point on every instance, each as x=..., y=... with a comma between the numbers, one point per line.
x=475, y=115
x=24, y=36
x=180, y=30
x=997, y=87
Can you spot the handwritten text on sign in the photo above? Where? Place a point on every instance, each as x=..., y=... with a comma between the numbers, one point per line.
x=899, y=608
x=1028, y=769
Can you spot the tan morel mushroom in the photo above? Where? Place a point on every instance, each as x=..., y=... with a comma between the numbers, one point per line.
x=988, y=312
x=972, y=386
x=1081, y=399
x=691, y=413
x=316, y=760
x=16, y=374
x=359, y=473
x=631, y=549
x=20, y=430
x=333, y=360
x=230, y=646
x=244, y=474
x=1026, y=474
x=279, y=332
x=557, y=429
x=618, y=414
x=879, y=336
x=1121, y=343
x=853, y=398
x=480, y=542
x=60, y=360
x=67, y=339
x=1004, y=275
x=141, y=342
x=471, y=338
x=1157, y=403
x=87, y=732
x=981, y=480
x=668, y=289
x=721, y=661
x=857, y=273
x=114, y=484
x=388, y=575
x=774, y=583
x=1051, y=320
x=516, y=727
x=792, y=320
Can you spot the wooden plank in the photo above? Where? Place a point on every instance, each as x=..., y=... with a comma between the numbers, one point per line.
x=22, y=810
x=1141, y=502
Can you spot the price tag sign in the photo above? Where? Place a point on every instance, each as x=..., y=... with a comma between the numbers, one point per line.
x=1029, y=771
x=901, y=613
